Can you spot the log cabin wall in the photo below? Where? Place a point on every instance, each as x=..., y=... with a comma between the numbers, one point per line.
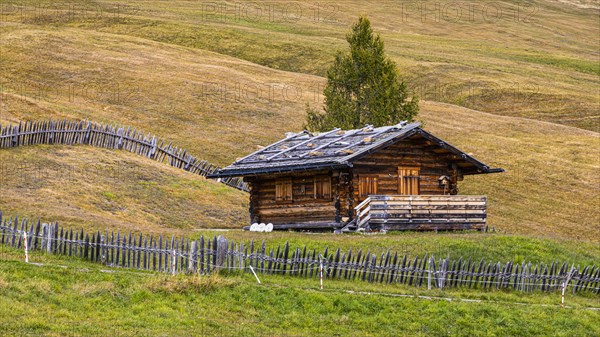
x=303, y=206
x=415, y=152
x=345, y=195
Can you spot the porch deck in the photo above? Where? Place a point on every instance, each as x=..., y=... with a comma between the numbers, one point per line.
x=422, y=212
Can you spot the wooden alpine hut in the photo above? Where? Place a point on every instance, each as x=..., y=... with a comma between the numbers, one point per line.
x=386, y=178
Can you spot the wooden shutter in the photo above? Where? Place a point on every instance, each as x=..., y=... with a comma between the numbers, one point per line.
x=367, y=185
x=322, y=188
x=283, y=190
x=408, y=180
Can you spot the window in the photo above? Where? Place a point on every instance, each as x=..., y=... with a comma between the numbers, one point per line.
x=367, y=185
x=322, y=187
x=408, y=180
x=283, y=190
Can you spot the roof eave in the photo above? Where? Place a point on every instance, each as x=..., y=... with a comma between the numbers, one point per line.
x=485, y=171
x=224, y=173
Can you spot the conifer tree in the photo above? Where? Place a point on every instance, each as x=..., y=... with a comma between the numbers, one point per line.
x=363, y=87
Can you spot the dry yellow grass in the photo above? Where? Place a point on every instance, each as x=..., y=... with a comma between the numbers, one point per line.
x=102, y=189
x=182, y=94
x=158, y=71
x=551, y=187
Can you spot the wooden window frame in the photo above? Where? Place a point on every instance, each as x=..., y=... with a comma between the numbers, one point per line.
x=408, y=183
x=325, y=185
x=284, y=190
x=372, y=185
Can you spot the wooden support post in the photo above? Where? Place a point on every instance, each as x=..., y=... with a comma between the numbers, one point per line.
x=192, y=258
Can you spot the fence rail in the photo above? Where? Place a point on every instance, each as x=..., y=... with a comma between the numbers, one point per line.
x=111, y=137
x=422, y=212
x=205, y=256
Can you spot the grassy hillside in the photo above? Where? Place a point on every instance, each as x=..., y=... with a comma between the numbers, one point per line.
x=97, y=188
x=517, y=89
x=221, y=107
x=84, y=299
x=549, y=189
x=536, y=59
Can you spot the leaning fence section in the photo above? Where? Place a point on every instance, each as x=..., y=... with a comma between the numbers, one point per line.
x=205, y=256
x=110, y=137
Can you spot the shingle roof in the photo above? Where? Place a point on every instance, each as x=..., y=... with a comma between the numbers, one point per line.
x=333, y=149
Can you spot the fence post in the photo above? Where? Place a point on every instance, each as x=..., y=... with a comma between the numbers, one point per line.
x=173, y=261
x=120, y=141
x=16, y=133
x=50, y=230
x=88, y=133
x=429, y=273
x=103, y=248
x=27, y=255
x=321, y=270
x=192, y=257
x=565, y=283
x=221, y=250
x=153, y=149
x=43, y=237
x=442, y=272
x=51, y=133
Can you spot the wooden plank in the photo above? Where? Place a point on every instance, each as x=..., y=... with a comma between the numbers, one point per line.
x=402, y=280
x=201, y=258
x=160, y=253
x=336, y=261
x=372, y=266
x=86, y=246
x=141, y=252
x=413, y=270
x=422, y=268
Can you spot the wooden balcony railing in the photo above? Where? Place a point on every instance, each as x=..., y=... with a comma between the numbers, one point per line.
x=422, y=212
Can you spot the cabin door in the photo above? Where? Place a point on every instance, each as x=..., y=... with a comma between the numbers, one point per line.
x=408, y=180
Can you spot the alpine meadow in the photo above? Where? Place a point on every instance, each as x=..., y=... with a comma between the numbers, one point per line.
x=146, y=145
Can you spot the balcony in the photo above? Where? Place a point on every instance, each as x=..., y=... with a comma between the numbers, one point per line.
x=421, y=212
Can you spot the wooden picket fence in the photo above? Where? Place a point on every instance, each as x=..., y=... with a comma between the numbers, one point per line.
x=205, y=256
x=111, y=137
